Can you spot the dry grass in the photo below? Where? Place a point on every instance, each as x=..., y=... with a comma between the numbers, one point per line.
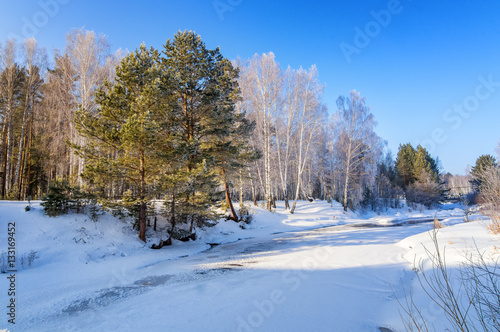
x=437, y=223
x=493, y=226
x=469, y=298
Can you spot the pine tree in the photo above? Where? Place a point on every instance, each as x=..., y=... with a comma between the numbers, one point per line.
x=424, y=162
x=483, y=163
x=404, y=165
x=418, y=175
x=205, y=85
x=228, y=142
x=125, y=131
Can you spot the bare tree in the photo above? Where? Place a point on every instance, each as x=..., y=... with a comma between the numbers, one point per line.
x=285, y=123
x=356, y=144
x=35, y=62
x=310, y=120
x=59, y=106
x=88, y=54
x=10, y=84
x=490, y=196
x=261, y=84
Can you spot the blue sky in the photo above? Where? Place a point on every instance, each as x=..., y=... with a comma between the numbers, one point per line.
x=429, y=71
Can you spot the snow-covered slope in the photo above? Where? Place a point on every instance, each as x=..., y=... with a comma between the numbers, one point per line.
x=282, y=273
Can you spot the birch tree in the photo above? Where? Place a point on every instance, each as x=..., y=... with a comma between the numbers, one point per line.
x=285, y=127
x=57, y=117
x=357, y=145
x=10, y=87
x=88, y=53
x=35, y=62
x=310, y=120
x=263, y=89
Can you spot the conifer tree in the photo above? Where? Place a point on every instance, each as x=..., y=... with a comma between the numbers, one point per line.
x=424, y=162
x=418, y=175
x=411, y=162
x=483, y=163
x=205, y=89
x=228, y=142
x=404, y=165
x=127, y=128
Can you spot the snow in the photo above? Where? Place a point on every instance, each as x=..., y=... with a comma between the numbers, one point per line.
x=313, y=270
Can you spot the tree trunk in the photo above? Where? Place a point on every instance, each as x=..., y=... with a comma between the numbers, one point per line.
x=28, y=180
x=4, y=171
x=241, y=189
x=297, y=191
x=20, y=192
x=8, y=157
x=142, y=221
x=346, y=187
x=347, y=174
x=254, y=195
x=142, y=195
x=233, y=216
x=21, y=142
x=267, y=174
x=172, y=220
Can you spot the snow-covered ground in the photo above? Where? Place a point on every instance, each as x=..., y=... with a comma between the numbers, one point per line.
x=315, y=270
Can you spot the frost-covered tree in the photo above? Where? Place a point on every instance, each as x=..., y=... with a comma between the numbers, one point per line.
x=426, y=190
x=357, y=145
x=87, y=54
x=310, y=118
x=263, y=88
x=489, y=179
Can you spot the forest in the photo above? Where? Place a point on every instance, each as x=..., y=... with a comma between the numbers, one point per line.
x=190, y=128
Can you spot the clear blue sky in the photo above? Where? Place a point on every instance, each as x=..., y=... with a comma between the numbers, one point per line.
x=419, y=71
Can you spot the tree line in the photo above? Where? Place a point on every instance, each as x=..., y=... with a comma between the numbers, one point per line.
x=189, y=127
x=37, y=108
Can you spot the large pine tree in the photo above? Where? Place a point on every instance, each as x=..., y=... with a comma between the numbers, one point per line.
x=129, y=126
x=168, y=126
x=206, y=90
